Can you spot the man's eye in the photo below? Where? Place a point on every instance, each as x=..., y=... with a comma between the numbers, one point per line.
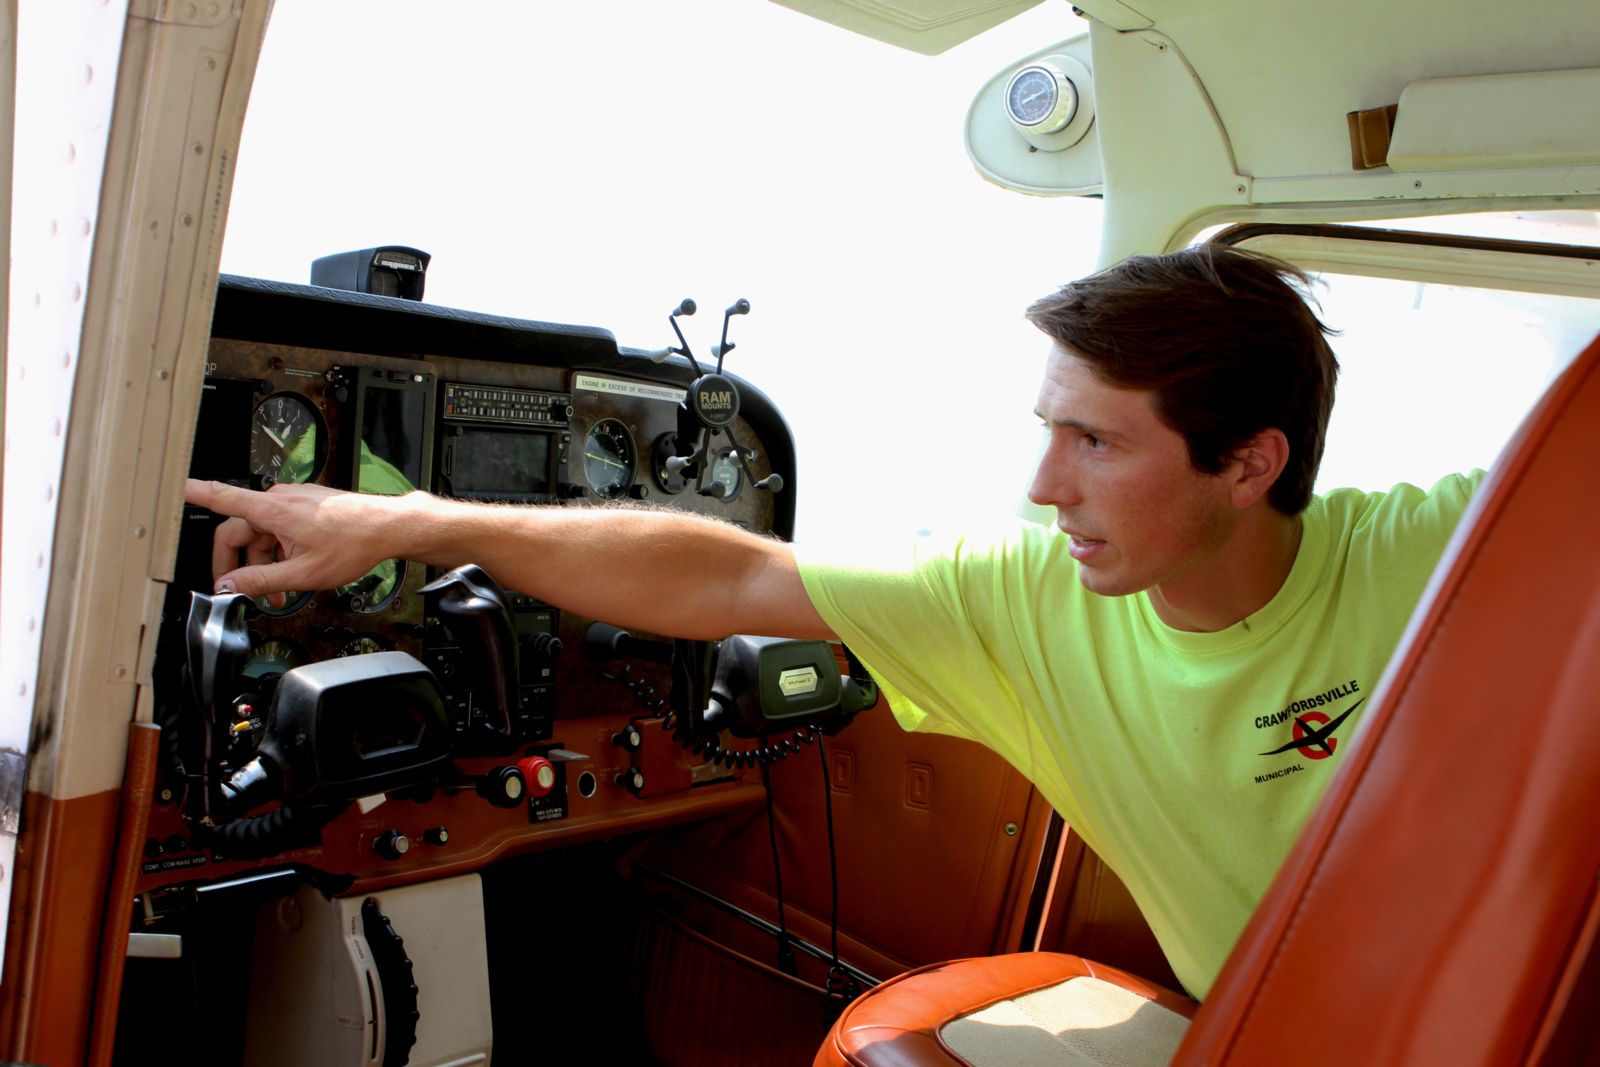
x=1092, y=441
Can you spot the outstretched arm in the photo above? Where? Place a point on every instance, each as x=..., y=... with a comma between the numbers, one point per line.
x=666, y=572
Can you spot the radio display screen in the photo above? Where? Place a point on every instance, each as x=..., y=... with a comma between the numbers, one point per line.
x=500, y=463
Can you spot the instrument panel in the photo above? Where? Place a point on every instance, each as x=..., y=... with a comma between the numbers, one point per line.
x=383, y=395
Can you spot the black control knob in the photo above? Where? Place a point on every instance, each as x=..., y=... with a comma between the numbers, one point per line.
x=436, y=835
x=504, y=787
x=571, y=491
x=628, y=738
x=639, y=491
x=548, y=645
x=632, y=780
x=392, y=844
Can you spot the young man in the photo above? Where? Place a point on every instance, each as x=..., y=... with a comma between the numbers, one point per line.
x=1177, y=667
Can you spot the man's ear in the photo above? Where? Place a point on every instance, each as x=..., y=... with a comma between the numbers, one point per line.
x=1257, y=466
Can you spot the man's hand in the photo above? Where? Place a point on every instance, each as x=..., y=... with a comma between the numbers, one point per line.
x=293, y=538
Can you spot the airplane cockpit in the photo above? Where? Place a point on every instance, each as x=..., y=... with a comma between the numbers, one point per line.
x=412, y=728
x=428, y=818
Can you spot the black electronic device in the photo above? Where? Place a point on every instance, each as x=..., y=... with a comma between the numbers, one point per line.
x=503, y=444
x=768, y=684
x=347, y=728
x=389, y=442
x=389, y=270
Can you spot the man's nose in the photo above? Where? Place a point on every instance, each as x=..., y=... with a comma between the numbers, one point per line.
x=1054, y=482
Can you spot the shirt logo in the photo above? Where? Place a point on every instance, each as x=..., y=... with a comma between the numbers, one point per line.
x=1313, y=727
x=1313, y=733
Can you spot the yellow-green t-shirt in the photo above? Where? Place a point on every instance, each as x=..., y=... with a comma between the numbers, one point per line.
x=1188, y=761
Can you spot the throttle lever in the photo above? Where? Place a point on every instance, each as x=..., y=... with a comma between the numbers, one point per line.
x=477, y=611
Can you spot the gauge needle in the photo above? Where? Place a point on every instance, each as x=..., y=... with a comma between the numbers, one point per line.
x=275, y=438
x=604, y=459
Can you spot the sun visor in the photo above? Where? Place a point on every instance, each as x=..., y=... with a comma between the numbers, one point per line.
x=1498, y=121
x=926, y=26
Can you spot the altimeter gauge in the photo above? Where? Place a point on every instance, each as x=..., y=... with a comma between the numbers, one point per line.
x=286, y=440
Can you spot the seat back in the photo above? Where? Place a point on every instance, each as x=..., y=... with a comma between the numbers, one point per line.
x=1441, y=905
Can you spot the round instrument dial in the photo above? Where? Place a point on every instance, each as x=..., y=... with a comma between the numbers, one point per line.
x=1040, y=98
x=292, y=602
x=375, y=590
x=286, y=440
x=362, y=645
x=609, y=459
x=273, y=655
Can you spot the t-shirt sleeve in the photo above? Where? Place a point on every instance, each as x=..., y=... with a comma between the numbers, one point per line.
x=1398, y=536
x=915, y=613
x=1403, y=514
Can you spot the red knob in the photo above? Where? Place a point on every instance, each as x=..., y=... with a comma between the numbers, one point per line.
x=539, y=773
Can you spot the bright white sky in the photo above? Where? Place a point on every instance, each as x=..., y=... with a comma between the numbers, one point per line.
x=595, y=163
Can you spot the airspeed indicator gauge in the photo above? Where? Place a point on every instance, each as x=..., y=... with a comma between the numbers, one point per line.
x=286, y=440
x=609, y=459
x=1040, y=98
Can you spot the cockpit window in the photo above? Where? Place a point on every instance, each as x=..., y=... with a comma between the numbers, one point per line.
x=598, y=165
x=1448, y=334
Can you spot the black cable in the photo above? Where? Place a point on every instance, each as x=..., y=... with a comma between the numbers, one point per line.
x=786, y=960
x=270, y=833
x=842, y=986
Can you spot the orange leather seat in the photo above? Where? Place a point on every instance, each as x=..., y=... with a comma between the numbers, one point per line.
x=1442, y=904
x=905, y=1021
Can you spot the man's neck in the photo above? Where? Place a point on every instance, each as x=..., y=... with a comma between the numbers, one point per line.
x=1239, y=580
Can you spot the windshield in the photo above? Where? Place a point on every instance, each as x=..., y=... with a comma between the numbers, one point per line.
x=597, y=165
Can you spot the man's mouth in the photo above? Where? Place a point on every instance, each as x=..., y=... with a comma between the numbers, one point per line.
x=1082, y=548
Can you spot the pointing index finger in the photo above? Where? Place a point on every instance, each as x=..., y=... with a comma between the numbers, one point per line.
x=220, y=497
x=201, y=492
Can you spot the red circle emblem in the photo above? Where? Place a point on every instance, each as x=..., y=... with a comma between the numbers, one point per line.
x=1320, y=749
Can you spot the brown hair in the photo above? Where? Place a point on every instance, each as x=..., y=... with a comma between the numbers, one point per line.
x=1225, y=340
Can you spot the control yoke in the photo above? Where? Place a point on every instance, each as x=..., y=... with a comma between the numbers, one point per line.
x=324, y=734
x=217, y=644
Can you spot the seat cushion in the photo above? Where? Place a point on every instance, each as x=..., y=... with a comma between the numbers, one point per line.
x=1024, y=1008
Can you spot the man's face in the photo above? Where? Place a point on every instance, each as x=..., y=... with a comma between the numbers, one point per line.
x=1137, y=511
